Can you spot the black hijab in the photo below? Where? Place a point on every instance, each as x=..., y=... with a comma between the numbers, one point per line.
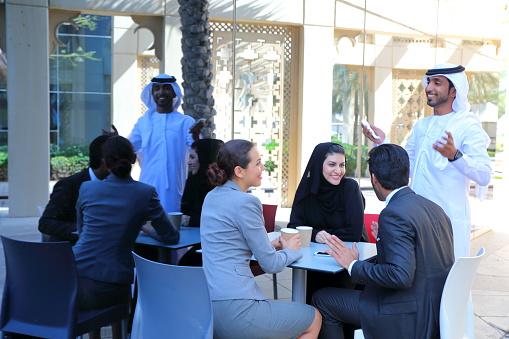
x=313, y=181
x=197, y=185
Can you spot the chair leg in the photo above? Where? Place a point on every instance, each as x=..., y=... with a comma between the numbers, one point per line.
x=123, y=326
x=274, y=285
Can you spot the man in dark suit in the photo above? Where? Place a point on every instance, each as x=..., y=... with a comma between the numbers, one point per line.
x=59, y=218
x=401, y=298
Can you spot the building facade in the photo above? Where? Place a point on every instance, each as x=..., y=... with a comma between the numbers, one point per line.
x=288, y=74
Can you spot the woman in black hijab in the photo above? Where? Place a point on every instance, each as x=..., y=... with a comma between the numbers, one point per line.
x=203, y=153
x=331, y=204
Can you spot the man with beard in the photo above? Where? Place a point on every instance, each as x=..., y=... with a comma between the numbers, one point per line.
x=402, y=293
x=161, y=140
x=447, y=150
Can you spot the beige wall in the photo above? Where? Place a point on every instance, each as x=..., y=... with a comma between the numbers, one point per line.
x=324, y=28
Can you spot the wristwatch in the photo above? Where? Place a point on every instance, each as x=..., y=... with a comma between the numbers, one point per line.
x=456, y=156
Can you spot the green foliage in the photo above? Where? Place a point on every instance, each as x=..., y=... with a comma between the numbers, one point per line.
x=351, y=158
x=78, y=56
x=3, y=165
x=87, y=21
x=67, y=160
x=270, y=166
x=62, y=167
x=68, y=151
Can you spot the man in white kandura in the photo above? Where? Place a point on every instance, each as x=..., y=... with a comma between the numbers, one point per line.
x=447, y=150
x=161, y=140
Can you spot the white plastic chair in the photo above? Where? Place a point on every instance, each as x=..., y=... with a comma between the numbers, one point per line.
x=456, y=311
x=173, y=302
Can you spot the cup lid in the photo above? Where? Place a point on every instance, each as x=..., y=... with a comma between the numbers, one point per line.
x=289, y=230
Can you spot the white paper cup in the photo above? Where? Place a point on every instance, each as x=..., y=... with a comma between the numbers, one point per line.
x=287, y=233
x=305, y=235
x=176, y=218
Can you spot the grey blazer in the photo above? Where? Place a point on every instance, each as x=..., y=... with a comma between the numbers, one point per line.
x=110, y=214
x=414, y=255
x=232, y=231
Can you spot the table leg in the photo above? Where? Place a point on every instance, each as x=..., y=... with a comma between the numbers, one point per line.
x=299, y=282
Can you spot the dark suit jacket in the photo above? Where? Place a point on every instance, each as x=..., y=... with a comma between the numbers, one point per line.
x=415, y=253
x=59, y=217
x=110, y=214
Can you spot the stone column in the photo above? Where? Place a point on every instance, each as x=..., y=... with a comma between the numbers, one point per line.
x=28, y=106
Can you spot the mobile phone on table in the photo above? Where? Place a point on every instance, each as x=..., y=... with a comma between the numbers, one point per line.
x=321, y=254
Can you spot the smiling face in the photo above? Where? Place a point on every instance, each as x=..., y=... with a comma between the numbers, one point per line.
x=163, y=95
x=251, y=176
x=334, y=168
x=439, y=93
x=193, y=163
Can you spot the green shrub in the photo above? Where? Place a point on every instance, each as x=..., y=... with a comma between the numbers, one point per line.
x=3, y=166
x=351, y=158
x=62, y=167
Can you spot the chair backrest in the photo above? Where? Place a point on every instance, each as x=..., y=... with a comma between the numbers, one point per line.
x=368, y=218
x=173, y=301
x=40, y=211
x=40, y=289
x=269, y=215
x=456, y=316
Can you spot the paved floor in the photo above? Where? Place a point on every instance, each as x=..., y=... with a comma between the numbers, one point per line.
x=490, y=291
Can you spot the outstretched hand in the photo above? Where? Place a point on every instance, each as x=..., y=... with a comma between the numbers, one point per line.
x=343, y=254
x=111, y=134
x=196, y=129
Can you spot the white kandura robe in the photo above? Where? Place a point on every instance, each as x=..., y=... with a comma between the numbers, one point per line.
x=162, y=143
x=448, y=183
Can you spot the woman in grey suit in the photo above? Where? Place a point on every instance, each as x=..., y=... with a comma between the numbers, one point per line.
x=232, y=231
x=110, y=214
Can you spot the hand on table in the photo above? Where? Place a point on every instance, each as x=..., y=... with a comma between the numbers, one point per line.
x=292, y=243
x=185, y=220
x=343, y=254
x=321, y=236
x=147, y=227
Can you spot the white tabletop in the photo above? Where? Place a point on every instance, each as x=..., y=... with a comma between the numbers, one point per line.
x=188, y=236
x=327, y=264
x=311, y=262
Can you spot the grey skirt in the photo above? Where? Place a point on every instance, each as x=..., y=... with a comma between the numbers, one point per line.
x=264, y=319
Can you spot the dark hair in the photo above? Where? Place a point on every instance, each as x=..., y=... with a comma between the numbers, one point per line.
x=95, y=153
x=451, y=85
x=233, y=153
x=334, y=149
x=119, y=156
x=206, y=150
x=390, y=164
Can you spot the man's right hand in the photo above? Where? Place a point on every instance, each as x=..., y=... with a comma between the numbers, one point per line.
x=292, y=243
x=377, y=130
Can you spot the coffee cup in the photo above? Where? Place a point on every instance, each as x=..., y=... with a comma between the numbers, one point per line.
x=287, y=233
x=176, y=218
x=305, y=235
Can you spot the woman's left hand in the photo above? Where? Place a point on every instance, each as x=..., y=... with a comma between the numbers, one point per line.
x=321, y=236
